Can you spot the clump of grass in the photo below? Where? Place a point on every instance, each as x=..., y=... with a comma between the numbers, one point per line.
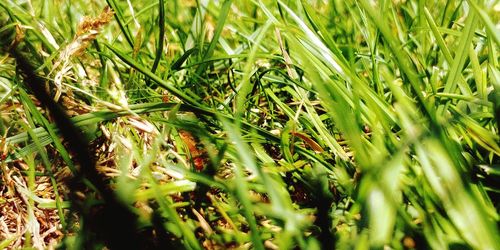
x=255, y=124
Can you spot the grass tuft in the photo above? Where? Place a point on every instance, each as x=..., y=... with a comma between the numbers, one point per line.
x=249, y=124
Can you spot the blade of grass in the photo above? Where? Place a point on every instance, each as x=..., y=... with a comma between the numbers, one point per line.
x=161, y=35
x=221, y=20
x=164, y=84
x=403, y=61
x=490, y=26
x=460, y=57
x=120, y=20
x=241, y=186
x=47, y=165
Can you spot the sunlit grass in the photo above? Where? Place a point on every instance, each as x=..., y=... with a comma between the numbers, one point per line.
x=257, y=124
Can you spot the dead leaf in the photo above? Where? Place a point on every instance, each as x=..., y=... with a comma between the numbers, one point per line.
x=310, y=142
x=198, y=156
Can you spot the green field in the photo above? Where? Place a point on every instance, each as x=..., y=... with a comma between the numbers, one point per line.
x=289, y=124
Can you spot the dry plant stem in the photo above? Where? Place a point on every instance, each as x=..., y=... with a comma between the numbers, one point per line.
x=114, y=221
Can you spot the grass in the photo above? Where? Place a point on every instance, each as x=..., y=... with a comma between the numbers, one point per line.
x=250, y=124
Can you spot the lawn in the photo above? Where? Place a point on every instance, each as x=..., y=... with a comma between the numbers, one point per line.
x=257, y=124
